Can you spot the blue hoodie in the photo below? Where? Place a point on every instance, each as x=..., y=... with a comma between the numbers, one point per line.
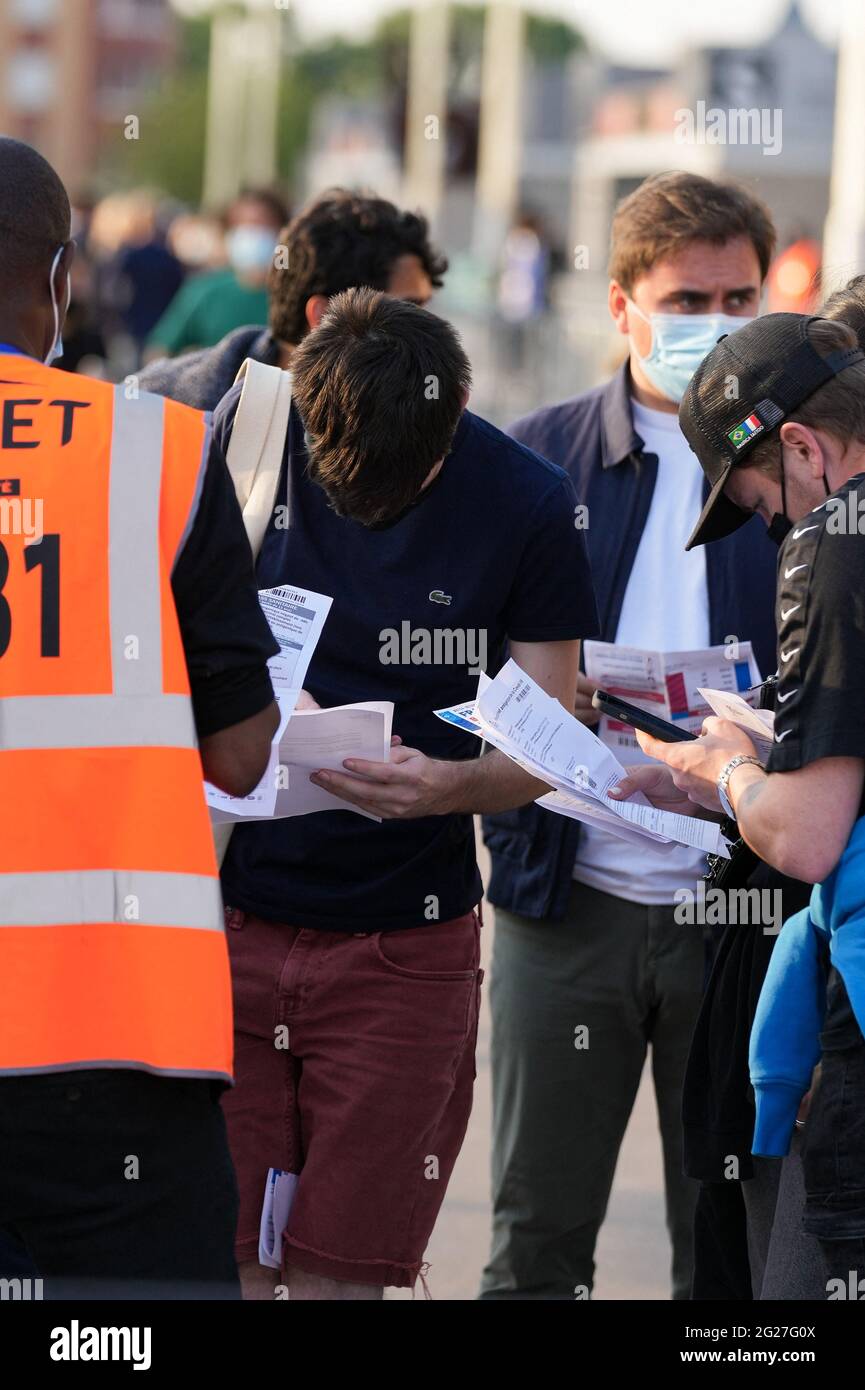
x=785, y=1039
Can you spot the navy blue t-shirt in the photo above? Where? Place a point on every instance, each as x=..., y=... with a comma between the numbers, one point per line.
x=492, y=548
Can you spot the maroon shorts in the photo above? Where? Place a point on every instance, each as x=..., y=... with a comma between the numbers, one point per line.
x=370, y=1100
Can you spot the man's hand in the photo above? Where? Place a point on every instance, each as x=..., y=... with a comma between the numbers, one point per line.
x=805, y=1102
x=412, y=785
x=409, y=786
x=305, y=701
x=696, y=765
x=656, y=783
x=583, y=707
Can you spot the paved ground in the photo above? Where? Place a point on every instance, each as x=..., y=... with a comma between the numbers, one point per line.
x=633, y=1255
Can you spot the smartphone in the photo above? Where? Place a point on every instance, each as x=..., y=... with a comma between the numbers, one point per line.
x=639, y=719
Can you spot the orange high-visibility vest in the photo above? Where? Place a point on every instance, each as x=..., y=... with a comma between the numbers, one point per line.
x=112, y=949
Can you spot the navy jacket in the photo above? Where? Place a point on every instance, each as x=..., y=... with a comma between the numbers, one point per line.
x=203, y=377
x=593, y=437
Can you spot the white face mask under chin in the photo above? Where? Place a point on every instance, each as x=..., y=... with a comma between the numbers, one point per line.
x=56, y=349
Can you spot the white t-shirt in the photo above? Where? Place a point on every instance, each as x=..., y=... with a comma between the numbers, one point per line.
x=666, y=608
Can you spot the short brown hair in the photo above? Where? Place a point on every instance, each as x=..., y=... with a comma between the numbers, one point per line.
x=848, y=306
x=838, y=406
x=669, y=211
x=380, y=386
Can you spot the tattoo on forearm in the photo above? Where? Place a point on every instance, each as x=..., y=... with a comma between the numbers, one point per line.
x=749, y=796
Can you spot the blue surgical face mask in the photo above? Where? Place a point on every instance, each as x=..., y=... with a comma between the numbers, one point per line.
x=56, y=348
x=679, y=344
x=250, y=248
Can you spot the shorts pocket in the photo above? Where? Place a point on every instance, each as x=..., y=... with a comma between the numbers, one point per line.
x=448, y=951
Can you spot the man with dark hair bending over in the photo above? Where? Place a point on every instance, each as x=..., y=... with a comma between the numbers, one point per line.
x=362, y=935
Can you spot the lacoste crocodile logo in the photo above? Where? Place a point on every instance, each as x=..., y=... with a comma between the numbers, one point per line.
x=438, y=597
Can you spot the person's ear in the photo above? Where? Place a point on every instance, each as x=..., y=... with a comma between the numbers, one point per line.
x=803, y=442
x=316, y=308
x=805, y=446
x=617, y=302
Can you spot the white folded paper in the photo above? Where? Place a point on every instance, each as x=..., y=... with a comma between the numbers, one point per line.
x=667, y=684
x=306, y=740
x=758, y=724
x=516, y=716
x=278, y=1196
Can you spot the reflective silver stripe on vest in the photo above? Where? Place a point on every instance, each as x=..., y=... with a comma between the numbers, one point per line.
x=125, y=896
x=115, y=1065
x=133, y=544
x=137, y=714
x=96, y=721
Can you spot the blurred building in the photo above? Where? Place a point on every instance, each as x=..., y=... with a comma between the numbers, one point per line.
x=581, y=133
x=639, y=128
x=362, y=142
x=71, y=71
x=763, y=115
x=352, y=145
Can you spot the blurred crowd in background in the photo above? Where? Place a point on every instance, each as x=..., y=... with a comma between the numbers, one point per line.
x=152, y=278
x=188, y=133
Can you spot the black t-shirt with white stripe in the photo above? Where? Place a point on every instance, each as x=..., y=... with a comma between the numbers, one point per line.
x=820, y=612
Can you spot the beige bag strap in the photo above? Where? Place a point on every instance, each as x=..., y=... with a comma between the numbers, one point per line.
x=254, y=460
x=257, y=443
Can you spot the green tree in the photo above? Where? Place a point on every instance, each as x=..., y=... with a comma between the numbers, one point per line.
x=170, y=152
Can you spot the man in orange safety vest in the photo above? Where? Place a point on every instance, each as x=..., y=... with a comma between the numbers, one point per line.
x=133, y=662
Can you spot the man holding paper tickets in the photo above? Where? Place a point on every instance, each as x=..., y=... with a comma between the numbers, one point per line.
x=356, y=940
x=789, y=445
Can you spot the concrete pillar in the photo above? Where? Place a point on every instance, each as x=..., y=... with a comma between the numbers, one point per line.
x=242, y=103
x=501, y=142
x=71, y=129
x=426, y=108
x=844, y=237
x=264, y=34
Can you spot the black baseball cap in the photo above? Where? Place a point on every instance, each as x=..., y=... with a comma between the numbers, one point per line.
x=774, y=369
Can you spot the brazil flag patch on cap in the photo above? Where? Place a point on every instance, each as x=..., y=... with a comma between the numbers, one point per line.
x=749, y=427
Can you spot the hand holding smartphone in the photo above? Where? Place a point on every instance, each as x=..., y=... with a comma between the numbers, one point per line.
x=637, y=718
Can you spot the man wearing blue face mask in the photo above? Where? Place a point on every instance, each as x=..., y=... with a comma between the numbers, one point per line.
x=209, y=306
x=586, y=930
